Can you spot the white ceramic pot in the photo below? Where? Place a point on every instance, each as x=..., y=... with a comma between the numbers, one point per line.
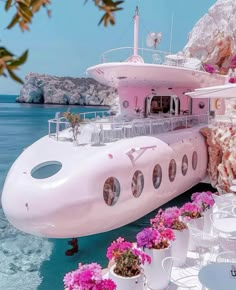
x=179, y=247
x=127, y=283
x=157, y=277
x=207, y=221
x=199, y=223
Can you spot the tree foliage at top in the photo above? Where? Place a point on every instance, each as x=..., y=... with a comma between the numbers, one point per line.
x=23, y=16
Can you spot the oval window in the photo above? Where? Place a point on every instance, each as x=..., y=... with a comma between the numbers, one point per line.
x=194, y=160
x=184, y=165
x=157, y=176
x=172, y=170
x=46, y=169
x=111, y=191
x=137, y=183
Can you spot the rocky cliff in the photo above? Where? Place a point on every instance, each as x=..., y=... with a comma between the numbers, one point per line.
x=45, y=89
x=213, y=38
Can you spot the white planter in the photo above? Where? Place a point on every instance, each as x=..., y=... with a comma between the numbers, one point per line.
x=180, y=246
x=207, y=221
x=199, y=223
x=157, y=277
x=127, y=283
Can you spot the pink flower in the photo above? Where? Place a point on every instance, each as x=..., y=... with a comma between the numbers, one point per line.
x=203, y=200
x=87, y=277
x=191, y=210
x=117, y=247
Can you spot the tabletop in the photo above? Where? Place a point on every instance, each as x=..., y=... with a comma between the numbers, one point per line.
x=217, y=276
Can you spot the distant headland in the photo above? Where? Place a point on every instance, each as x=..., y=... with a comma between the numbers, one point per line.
x=46, y=89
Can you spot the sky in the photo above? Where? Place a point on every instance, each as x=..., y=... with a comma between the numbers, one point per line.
x=71, y=41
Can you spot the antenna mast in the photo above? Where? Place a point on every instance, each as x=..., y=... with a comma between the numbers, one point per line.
x=136, y=30
x=171, y=32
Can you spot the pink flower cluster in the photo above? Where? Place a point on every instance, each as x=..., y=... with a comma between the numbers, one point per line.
x=88, y=277
x=203, y=199
x=120, y=246
x=191, y=210
x=154, y=238
x=233, y=62
x=209, y=68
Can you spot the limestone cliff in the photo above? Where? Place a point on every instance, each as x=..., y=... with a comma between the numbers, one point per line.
x=45, y=89
x=213, y=38
x=221, y=141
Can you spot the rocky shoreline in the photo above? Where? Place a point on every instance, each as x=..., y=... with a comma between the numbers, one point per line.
x=46, y=89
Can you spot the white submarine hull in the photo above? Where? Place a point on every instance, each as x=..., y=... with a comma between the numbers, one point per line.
x=71, y=202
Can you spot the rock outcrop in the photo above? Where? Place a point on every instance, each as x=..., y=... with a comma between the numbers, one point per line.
x=45, y=89
x=213, y=38
x=221, y=141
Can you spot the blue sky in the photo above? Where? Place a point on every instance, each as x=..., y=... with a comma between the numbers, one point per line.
x=70, y=41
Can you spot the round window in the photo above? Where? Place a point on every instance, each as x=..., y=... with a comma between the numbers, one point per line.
x=194, y=160
x=111, y=191
x=157, y=176
x=184, y=165
x=125, y=104
x=172, y=170
x=46, y=169
x=137, y=183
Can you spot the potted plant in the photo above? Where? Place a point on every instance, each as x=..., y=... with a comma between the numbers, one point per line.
x=74, y=120
x=88, y=277
x=156, y=243
x=205, y=201
x=127, y=261
x=192, y=213
x=171, y=218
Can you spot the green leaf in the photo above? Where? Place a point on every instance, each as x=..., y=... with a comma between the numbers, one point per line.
x=25, y=2
x=21, y=60
x=4, y=51
x=8, y=5
x=14, y=76
x=14, y=20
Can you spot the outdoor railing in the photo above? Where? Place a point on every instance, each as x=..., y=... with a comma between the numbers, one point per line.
x=110, y=129
x=223, y=121
x=122, y=54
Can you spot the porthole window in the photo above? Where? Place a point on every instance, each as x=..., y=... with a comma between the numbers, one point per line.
x=194, y=160
x=125, y=104
x=157, y=176
x=184, y=165
x=111, y=191
x=46, y=169
x=137, y=183
x=172, y=170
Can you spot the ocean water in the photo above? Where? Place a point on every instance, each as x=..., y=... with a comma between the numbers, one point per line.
x=28, y=262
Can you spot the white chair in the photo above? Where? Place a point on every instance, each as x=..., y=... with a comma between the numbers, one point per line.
x=226, y=257
x=204, y=241
x=184, y=277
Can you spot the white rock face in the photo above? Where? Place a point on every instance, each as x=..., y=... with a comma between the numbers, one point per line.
x=213, y=38
x=45, y=89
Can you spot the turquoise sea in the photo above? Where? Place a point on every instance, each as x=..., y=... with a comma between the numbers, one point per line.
x=28, y=262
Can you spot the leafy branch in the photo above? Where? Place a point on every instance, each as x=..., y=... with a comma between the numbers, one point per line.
x=25, y=10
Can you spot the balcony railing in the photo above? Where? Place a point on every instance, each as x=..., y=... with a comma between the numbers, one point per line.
x=110, y=129
x=153, y=56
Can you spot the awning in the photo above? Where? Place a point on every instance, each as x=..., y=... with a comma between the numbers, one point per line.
x=223, y=91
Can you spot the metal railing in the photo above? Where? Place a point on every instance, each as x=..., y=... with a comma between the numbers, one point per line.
x=122, y=54
x=110, y=129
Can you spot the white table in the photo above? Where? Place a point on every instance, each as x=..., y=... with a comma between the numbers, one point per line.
x=217, y=276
